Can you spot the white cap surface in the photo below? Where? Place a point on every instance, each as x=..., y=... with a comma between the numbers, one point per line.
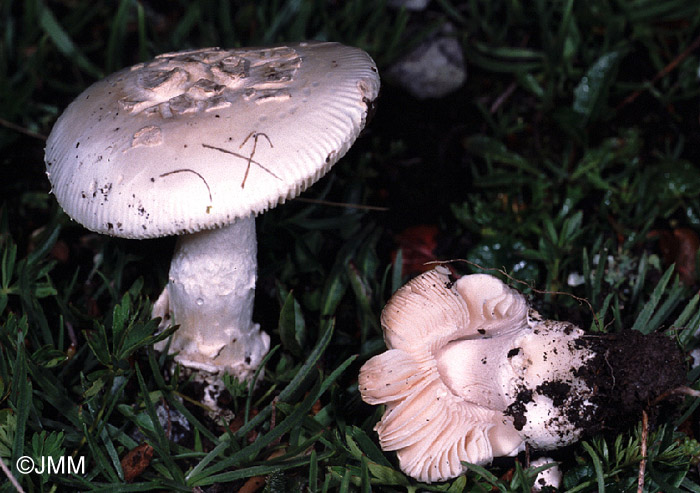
x=193, y=140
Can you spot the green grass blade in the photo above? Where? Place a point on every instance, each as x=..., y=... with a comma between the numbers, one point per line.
x=642, y=322
x=63, y=42
x=162, y=446
x=365, y=486
x=685, y=320
x=313, y=472
x=597, y=466
x=294, y=387
x=206, y=460
x=21, y=398
x=261, y=470
x=97, y=455
x=368, y=447
x=112, y=452
x=641, y=277
x=673, y=299
x=290, y=421
x=690, y=485
x=345, y=482
x=45, y=245
x=251, y=387
x=117, y=32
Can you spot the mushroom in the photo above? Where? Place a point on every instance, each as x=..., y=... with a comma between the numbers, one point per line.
x=196, y=144
x=473, y=373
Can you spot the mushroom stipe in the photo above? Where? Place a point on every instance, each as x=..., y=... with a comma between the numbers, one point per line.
x=472, y=373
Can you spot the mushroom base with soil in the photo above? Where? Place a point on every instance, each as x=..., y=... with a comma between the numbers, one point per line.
x=630, y=372
x=210, y=295
x=613, y=378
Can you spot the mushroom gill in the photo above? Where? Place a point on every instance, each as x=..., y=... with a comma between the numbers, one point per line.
x=472, y=373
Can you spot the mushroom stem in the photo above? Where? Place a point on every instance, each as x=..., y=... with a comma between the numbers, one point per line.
x=462, y=363
x=210, y=295
x=529, y=370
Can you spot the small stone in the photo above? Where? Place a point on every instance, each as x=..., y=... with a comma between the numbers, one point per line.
x=414, y=5
x=432, y=70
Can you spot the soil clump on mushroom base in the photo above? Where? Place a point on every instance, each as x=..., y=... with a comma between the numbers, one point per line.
x=629, y=372
x=633, y=371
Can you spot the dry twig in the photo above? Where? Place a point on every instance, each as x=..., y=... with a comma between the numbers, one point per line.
x=9, y=475
x=661, y=73
x=678, y=390
x=342, y=204
x=21, y=129
x=643, y=451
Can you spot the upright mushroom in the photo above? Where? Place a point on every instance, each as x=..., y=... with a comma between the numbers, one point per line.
x=472, y=373
x=196, y=143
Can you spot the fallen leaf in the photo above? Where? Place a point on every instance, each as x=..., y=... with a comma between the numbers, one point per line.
x=417, y=244
x=253, y=484
x=136, y=461
x=237, y=422
x=680, y=247
x=256, y=482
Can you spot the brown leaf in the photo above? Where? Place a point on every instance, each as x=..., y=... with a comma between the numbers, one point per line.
x=237, y=422
x=253, y=484
x=418, y=244
x=136, y=461
x=316, y=408
x=680, y=247
x=256, y=482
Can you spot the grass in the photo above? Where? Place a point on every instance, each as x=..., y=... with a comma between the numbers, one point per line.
x=570, y=153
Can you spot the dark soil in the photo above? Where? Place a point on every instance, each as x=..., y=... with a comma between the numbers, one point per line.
x=629, y=374
x=518, y=409
x=631, y=370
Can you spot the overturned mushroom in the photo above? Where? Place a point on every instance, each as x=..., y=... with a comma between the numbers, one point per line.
x=473, y=373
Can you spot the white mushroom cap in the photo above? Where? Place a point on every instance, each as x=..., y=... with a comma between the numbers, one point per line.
x=470, y=374
x=193, y=140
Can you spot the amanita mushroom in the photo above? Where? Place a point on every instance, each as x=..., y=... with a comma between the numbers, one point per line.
x=195, y=144
x=472, y=373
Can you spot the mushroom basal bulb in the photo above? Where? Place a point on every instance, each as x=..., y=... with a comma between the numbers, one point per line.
x=472, y=373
